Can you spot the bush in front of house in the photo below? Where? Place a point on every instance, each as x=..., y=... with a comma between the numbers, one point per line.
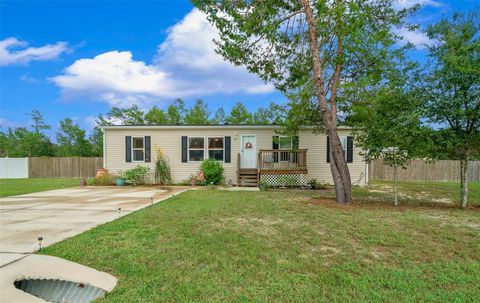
x=136, y=176
x=212, y=171
x=106, y=179
x=162, y=168
x=314, y=184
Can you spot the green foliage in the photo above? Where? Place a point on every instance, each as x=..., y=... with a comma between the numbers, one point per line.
x=277, y=48
x=212, y=171
x=38, y=121
x=315, y=184
x=124, y=116
x=389, y=114
x=20, y=142
x=106, y=180
x=263, y=186
x=198, y=114
x=453, y=85
x=176, y=112
x=162, y=168
x=239, y=115
x=218, y=116
x=71, y=140
x=96, y=140
x=155, y=116
x=136, y=176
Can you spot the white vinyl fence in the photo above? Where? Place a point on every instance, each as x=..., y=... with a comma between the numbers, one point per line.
x=13, y=168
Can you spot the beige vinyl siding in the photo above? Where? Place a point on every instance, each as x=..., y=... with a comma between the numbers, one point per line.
x=170, y=141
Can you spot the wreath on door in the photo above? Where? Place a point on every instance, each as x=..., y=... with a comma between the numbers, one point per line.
x=248, y=145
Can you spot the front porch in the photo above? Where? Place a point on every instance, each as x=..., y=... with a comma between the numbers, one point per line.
x=276, y=167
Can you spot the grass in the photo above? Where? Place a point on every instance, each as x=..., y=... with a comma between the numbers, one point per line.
x=283, y=246
x=11, y=187
x=425, y=193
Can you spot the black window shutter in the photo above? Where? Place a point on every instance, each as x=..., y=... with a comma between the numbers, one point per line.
x=148, y=149
x=184, y=149
x=128, y=149
x=295, y=143
x=328, y=150
x=275, y=141
x=349, y=149
x=228, y=150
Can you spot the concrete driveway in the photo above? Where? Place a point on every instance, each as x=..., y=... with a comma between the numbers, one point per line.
x=59, y=214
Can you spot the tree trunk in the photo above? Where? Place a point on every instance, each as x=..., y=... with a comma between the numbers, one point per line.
x=339, y=168
x=395, y=178
x=338, y=163
x=464, y=182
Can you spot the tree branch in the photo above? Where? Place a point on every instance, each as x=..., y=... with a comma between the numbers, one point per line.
x=336, y=79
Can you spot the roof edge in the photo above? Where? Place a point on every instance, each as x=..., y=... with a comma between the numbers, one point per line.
x=206, y=126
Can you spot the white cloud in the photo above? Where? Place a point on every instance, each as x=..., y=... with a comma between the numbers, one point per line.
x=419, y=39
x=185, y=65
x=13, y=51
x=409, y=3
x=113, y=77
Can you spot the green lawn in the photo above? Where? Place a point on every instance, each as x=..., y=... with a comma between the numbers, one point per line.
x=425, y=193
x=284, y=246
x=11, y=187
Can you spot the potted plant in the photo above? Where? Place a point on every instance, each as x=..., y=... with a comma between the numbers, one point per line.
x=120, y=179
x=101, y=172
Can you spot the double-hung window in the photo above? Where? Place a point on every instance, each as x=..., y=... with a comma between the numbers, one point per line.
x=138, y=149
x=196, y=148
x=216, y=148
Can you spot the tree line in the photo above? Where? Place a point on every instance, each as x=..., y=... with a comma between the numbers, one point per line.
x=72, y=140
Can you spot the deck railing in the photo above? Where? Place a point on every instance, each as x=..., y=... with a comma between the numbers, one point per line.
x=278, y=159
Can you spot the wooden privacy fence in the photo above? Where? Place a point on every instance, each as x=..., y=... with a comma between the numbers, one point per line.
x=421, y=170
x=64, y=167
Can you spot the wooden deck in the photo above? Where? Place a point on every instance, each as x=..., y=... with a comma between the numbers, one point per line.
x=282, y=161
x=273, y=162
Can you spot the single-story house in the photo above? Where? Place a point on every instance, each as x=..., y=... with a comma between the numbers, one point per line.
x=249, y=153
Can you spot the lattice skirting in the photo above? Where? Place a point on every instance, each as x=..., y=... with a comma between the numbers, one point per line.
x=284, y=180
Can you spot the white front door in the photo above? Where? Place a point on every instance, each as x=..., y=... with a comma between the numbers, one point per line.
x=248, y=151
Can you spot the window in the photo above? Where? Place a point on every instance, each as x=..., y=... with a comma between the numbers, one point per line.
x=196, y=148
x=138, y=149
x=216, y=148
x=284, y=142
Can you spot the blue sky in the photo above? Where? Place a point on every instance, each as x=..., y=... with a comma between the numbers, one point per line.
x=78, y=58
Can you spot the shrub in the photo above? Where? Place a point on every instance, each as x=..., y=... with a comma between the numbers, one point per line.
x=162, y=168
x=263, y=186
x=106, y=179
x=212, y=171
x=314, y=184
x=136, y=175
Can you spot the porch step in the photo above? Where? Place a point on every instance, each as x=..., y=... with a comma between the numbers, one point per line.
x=248, y=177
